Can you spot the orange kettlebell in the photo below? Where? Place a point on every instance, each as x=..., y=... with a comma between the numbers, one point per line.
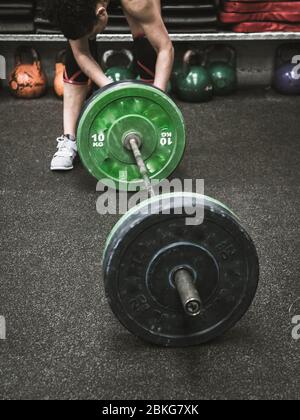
x=27, y=81
x=59, y=74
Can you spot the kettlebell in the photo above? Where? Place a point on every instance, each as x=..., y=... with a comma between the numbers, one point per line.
x=222, y=69
x=27, y=80
x=118, y=65
x=59, y=74
x=177, y=70
x=287, y=71
x=169, y=88
x=194, y=83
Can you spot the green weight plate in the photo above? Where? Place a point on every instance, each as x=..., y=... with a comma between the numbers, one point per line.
x=123, y=108
x=146, y=248
x=169, y=86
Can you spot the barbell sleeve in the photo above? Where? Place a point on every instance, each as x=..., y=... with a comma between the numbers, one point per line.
x=188, y=293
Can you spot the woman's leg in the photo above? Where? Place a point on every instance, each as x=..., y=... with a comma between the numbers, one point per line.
x=76, y=89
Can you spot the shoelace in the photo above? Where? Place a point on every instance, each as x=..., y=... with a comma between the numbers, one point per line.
x=65, y=147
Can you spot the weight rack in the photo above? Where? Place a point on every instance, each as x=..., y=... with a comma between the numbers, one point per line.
x=195, y=37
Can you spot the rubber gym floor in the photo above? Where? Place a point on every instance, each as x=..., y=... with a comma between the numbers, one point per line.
x=63, y=341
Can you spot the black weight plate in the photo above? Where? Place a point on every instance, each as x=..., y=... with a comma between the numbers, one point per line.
x=146, y=248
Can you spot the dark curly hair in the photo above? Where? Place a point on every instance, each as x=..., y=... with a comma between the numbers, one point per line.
x=75, y=18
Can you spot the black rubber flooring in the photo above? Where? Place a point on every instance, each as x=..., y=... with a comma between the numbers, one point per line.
x=62, y=339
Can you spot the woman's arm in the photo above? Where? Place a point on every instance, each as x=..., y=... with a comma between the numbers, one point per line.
x=87, y=63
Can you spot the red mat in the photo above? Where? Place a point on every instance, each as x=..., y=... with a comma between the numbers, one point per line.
x=250, y=27
x=271, y=6
x=255, y=17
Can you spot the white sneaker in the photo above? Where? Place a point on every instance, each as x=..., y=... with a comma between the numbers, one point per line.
x=65, y=155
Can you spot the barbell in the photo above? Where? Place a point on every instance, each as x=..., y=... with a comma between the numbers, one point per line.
x=168, y=282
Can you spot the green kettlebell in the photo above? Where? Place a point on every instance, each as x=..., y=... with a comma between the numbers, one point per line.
x=222, y=69
x=118, y=65
x=177, y=70
x=194, y=83
x=118, y=74
x=169, y=88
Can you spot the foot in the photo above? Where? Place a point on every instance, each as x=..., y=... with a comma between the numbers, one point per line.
x=65, y=155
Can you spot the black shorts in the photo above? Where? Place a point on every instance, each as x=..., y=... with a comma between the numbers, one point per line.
x=145, y=57
x=73, y=74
